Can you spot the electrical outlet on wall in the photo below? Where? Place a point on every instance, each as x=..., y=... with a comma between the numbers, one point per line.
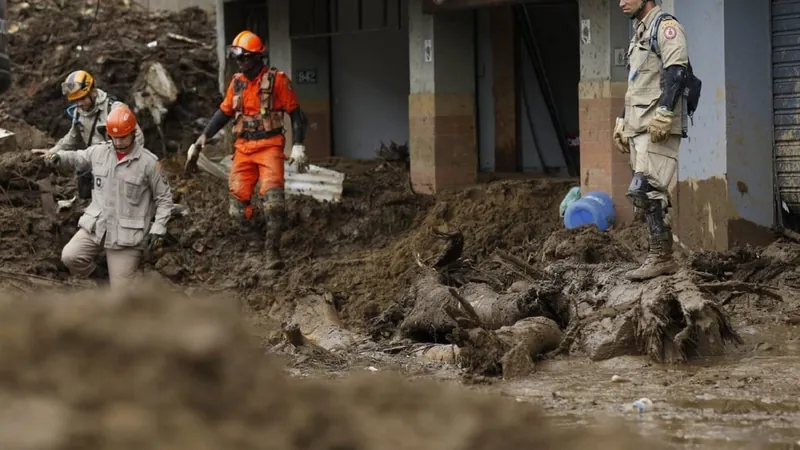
x=620, y=57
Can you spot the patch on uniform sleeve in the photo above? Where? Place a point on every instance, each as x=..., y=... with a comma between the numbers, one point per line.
x=289, y=84
x=669, y=28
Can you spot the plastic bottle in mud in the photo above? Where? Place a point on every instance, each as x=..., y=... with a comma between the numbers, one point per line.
x=642, y=405
x=5, y=63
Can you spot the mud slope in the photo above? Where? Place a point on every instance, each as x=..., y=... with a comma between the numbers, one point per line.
x=111, y=42
x=150, y=371
x=362, y=249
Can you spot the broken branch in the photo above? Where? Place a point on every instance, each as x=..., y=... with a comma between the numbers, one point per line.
x=741, y=286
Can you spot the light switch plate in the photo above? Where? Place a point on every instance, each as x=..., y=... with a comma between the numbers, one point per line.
x=619, y=57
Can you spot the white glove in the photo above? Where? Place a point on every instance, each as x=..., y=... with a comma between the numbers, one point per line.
x=299, y=157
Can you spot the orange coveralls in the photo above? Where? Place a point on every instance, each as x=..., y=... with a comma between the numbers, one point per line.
x=260, y=159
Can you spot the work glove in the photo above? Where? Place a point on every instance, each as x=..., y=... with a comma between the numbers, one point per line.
x=154, y=242
x=660, y=125
x=299, y=157
x=620, y=141
x=201, y=141
x=51, y=159
x=192, y=155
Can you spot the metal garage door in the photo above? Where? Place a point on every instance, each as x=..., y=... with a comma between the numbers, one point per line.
x=786, y=98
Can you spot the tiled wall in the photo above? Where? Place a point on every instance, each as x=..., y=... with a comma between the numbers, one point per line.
x=443, y=144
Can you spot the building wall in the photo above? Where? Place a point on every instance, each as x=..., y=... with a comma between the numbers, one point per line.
x=601, y=93
x=561, y=63
x=370, y=80
x=442, y=99
x=749, y=115
x=314, y=54
x=176, y=5
x=496, y=76
x=725, y=178
x=485, y=91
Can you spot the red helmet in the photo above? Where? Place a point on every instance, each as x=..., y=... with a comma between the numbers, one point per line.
x=247, y=42
x=120, y=122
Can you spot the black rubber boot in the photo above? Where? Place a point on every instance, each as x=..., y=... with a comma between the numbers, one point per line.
x=274, y=215
x=272, y=243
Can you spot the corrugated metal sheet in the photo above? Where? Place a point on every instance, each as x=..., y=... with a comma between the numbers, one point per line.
x=786, y=98
x=320, y=183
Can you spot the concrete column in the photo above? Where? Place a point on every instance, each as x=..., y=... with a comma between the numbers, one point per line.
x=725, y=167
x=442, y=100
x=505, y=92
x=221, y=44
x=280, y=50
x=601, y=97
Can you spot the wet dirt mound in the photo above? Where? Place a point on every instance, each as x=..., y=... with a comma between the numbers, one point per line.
x=32, y=240
x=110, y=40
x=149, y=370
x=584, y=245
x=635, y=238
x=362, y=249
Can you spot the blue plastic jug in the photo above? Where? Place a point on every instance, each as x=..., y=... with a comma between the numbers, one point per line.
x=595, y=208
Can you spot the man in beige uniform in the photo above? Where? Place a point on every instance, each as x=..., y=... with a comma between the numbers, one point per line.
x=653, y=124
x=129, y=192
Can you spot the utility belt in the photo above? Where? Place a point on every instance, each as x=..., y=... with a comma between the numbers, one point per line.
x=257, y=127
x=260, y=134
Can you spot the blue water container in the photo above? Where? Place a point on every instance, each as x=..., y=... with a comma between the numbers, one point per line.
x=593, y=207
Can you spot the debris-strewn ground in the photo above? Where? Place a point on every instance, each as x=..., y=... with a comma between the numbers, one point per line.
x=48, y=39
x=150, y=370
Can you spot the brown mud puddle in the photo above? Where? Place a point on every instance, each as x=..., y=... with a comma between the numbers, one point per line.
x=748, y=400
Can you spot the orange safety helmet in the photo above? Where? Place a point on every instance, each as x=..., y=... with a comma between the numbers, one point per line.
x=120, y=122
x=247, y=42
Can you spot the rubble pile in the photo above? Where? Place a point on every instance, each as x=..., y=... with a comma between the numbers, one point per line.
x=113, y=40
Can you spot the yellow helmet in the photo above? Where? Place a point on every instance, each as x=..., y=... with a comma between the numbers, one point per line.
x=77, y=85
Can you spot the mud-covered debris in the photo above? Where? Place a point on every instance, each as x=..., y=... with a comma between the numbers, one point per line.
x=584, y=245
x=8, y=141
x=110, y=41
x=154, y=370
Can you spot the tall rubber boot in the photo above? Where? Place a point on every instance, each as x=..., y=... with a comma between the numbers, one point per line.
x=659, y=260
x=242, y=213
x=274, y=213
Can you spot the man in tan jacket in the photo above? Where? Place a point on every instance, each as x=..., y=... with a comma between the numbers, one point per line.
x=129, y=192
x=653, y=123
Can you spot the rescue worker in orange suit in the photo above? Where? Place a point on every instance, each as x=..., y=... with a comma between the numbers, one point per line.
x=256, y=100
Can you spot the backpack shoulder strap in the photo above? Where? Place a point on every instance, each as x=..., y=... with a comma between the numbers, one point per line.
x=111, y=101
x=654, y=31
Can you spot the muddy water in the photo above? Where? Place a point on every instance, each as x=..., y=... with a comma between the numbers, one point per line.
x=749, y=400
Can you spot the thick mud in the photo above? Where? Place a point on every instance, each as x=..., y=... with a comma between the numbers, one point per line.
x=113, y=41
x=480, y=287
x=361, y=255
x=153, y=370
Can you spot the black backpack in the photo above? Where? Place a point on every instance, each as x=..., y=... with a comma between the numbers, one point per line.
x=693, y=84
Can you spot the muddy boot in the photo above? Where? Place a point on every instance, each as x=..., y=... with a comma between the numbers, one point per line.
x=274, y=215
x=659, y=259
x=242, y=213
x=100, y=274
x=252, y=236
